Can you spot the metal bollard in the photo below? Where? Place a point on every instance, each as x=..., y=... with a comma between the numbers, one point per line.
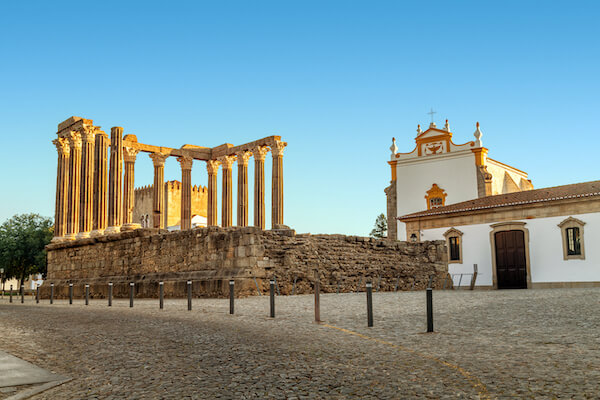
x=231, y=295
x=272, y=295
x=22, y=294
x=110, y=293
x=161, y=294
x=87, y=295
x=70, y=293
x=317, y=302
x=131, y=294
x=10, y=295
x=369, y=304
x=37, y=295
x=429, y=310
x=52, y=293
x=189, y=292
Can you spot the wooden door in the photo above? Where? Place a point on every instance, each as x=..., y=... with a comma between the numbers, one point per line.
x=511, y=266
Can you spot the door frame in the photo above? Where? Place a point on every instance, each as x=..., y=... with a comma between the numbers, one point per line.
x=509, y=226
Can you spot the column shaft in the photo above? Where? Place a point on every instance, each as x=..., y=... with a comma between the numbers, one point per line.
x=242, y=193
x=86, y=202
x=158, y=190
x=277, y=186
x=129, y=155
x=212, y=167
x=62, y=188
x=115, y=193
x=186, y=192
x=100, y=181
x=259, y=185
x=74, y=181
x=226, y=200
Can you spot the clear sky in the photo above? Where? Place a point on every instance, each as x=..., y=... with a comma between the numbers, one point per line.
x=336, y=79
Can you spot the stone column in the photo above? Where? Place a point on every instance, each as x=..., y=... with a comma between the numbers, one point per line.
x=115, y=178
x=186, y=192
x=62, y=188
x=86, y=203
x=129, y=156
x=100, y=176
x=226, y=200
x=242, y=193
x=277, y=186
x=259, y=153
x=212, y=167
x=74, y=181
x=158, y=190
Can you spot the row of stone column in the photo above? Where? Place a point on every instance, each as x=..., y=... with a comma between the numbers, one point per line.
x=81, y=189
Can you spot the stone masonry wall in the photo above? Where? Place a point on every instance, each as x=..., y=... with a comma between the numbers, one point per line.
x=211, y=256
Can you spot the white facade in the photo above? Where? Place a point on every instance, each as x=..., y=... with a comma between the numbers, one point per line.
x=547, y=264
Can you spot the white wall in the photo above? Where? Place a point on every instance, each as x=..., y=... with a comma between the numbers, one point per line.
x=453, y=172
x=545, y=251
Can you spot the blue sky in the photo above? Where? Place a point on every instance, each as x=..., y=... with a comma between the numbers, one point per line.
x=336, y=79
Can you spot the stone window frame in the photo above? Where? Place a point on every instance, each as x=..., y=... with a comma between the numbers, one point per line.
x=435, y=193
x=509, y=226
x=453, y=232
x=572, y=222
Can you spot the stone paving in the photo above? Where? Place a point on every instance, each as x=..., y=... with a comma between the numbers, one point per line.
x=488, y=344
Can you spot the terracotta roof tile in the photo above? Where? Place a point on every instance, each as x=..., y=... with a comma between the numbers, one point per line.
x=576, y=190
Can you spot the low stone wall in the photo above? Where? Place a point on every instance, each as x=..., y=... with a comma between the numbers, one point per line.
x=211, y=256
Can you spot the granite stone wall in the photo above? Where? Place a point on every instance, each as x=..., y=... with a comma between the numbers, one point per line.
x=210, y=257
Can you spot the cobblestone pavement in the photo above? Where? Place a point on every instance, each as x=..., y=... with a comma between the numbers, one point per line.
x=488, y=344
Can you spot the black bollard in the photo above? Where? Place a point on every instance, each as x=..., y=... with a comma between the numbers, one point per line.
x=272, y=295
x=231, y=295
x=37, y=295
x=131, y=294
x=10, y=295
x=369, y=304
x=317, y=302
x=52, y=293
x=110, y=293
x=161, y=294
x=189, y=292
x=87, y=295
x=22, y=294
x=429, y=310
x=70, y=293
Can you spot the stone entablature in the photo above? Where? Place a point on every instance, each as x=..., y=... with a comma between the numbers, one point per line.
x=86, y=207
x=213, y=255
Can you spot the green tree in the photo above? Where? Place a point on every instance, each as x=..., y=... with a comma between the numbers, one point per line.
x=380, y=229
x=23, y=239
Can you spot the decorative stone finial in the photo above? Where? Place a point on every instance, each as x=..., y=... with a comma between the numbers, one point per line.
x=393, y=147
x=478, y=136
x=447, y=126
x=419, y=131
x=432, y=125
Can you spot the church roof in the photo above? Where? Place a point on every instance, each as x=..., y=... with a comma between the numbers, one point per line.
x=573, y=191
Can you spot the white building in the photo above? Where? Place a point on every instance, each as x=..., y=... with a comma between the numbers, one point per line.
x=489, y=215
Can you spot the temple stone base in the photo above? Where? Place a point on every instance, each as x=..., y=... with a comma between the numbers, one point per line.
x=211, y=256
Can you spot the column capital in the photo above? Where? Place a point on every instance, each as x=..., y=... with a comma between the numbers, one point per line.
x=88, y=133
x=158, y=159
x=130, y=154
x=260, y=152
x=74, y=140
x=62, y=146
x=186, y=162
x=226, y=161
x=277, y=148
x=243, y=157
x=212, y=166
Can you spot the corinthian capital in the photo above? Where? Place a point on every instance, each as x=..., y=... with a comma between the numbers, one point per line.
x=277, y=148
x=158, y=159
x=243, y=157
x=260, y=152
x=130, y=154
x=226, y=161
x=88, y=133
x=186, y=162
x=74, y=140
x=62, y=146
x=212, y=166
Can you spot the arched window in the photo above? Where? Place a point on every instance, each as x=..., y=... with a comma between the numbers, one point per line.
x=454, y=244
x=572, y=239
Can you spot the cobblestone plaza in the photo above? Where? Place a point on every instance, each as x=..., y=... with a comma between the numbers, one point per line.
x=487, y=344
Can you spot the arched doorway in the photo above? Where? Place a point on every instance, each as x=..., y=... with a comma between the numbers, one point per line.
x=510, y=255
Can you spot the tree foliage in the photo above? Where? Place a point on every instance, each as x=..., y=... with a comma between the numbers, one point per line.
x=23, y=239
x=380, y=229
